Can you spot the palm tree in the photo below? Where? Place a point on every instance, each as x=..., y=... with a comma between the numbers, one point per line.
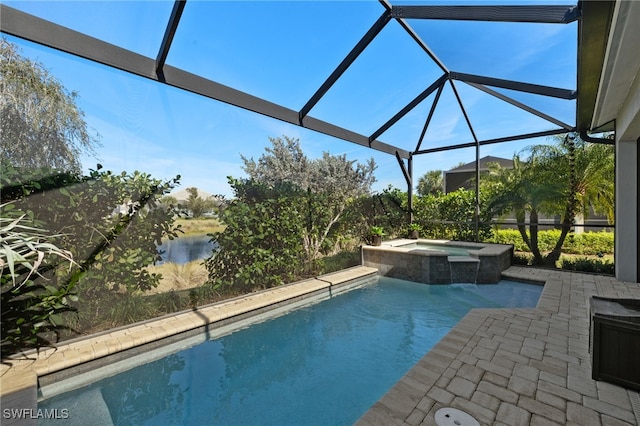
x=565, y=179
x=431, y=182
x=527, y=188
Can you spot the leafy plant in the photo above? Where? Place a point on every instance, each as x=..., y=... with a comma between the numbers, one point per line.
x=414, y=227
x=261, y=245
x=377, y=231
x=587, y=243
x=31, y=301
x=111, y=223
x=589, y=265
x=451, y=216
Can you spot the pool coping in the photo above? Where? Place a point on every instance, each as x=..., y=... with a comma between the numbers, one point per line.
x=19, y=381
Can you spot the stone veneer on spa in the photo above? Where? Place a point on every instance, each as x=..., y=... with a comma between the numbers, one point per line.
x=483, y=265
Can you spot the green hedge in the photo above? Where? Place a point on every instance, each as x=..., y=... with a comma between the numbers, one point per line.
x=587, y=243
x=589, y=265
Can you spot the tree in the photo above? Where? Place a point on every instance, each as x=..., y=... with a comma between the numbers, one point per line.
x=288, y=213
x=431, y=182
x=564, y=179
x=40, y=122
x=260, y=245
x=198, y=205
x=331, y=183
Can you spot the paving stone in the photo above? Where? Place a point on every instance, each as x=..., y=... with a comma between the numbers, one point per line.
x=468, y=359
x=522, y=386
x=553, y=378
x=471, y=372
x=550, y=399
x=486, y=400
x=483, y=353
x=533, y=343
x=542, y=409
x=398, y=402
x=415, y=418
x=532, y=353
x=496, y=379
x=526, y=372
x=427, y=377
x=548, y=368
x=461, y=387
x=499, y=392
x=440, y=395
x=609, y=409
x=512, y=415
x=513, y=347
x=443, y=382
x=488, y=343
x=582, y=386
x=425, y=404
x=613, y=395
x=612, y=421
x=543, y=421
x=581, y=415
x=515, y=357
x=412, y=387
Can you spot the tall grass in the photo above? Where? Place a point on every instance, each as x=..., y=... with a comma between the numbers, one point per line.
x=199, y=225
x=177, y=276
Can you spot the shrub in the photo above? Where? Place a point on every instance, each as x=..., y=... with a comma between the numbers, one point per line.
x=589, y=265
x=261, y=244
x=521, y=259
x=587, y=243
x=32, y=303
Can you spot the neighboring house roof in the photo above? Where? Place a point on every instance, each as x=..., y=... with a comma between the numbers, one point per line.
x=484, y=164
x=183, y=194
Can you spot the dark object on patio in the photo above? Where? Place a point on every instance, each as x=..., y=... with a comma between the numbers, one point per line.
x=615, y=341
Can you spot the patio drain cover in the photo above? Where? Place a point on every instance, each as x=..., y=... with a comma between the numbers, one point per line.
x=454, y=417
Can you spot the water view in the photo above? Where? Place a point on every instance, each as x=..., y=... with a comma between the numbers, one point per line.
x=186, y=249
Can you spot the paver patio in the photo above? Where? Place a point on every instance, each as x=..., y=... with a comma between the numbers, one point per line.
x=517, y=366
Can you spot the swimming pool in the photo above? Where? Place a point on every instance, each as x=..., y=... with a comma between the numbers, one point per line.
x=326, y=363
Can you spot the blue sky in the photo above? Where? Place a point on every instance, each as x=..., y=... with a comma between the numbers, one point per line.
x=282, y=52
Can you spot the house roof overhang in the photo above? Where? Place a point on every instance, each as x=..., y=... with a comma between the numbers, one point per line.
x=608, y=68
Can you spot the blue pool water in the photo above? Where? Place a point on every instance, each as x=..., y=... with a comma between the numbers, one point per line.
x=323, y=364
x=450, y=250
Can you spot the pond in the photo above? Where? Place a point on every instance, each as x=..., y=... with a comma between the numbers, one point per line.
x=186, y=249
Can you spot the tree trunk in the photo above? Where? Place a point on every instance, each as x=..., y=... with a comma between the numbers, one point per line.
x=554, y=255
x=533, y=230
x=571, y=209
x=522, y=228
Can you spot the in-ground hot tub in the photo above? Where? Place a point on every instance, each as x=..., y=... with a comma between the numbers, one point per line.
x=439, y=261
